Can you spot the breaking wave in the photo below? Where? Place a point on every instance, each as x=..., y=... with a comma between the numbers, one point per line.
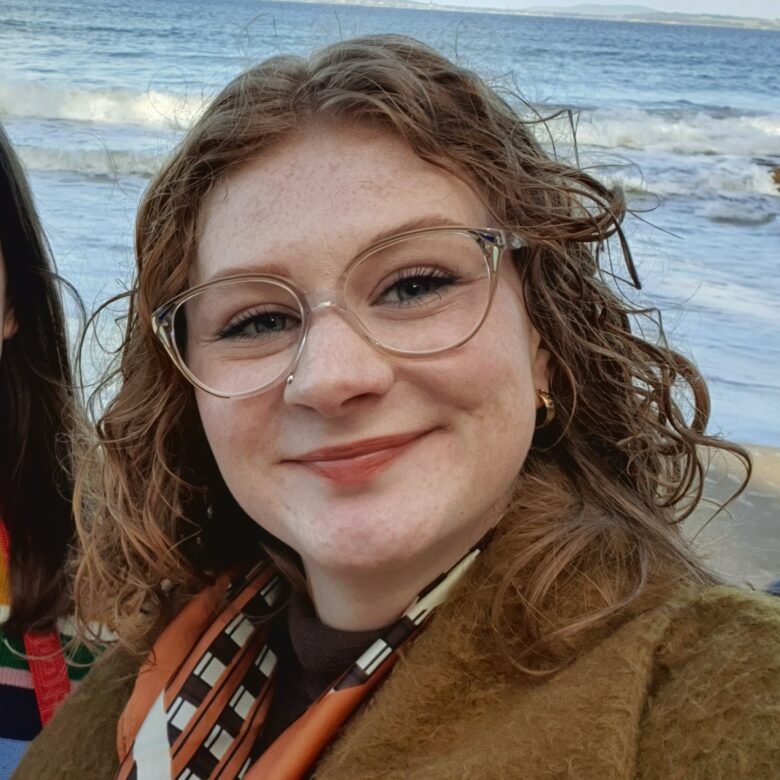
x=688, y=130
x=36, y=100
x=731, y=177
x=100, y=163
x=693, y=132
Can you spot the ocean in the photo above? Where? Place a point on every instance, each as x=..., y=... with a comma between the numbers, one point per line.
x=686, y=118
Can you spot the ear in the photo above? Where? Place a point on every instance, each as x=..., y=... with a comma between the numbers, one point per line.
x=540, y=362
x=9, y=324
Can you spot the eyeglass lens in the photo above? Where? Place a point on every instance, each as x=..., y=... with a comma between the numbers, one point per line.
x=418, y=295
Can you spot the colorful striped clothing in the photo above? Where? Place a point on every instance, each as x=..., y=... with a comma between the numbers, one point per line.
x=20, y=720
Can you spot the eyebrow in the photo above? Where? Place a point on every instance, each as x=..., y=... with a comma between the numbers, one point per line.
x=416, y=223
x=276, y=269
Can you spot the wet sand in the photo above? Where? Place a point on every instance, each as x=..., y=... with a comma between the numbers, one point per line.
x=742, y=543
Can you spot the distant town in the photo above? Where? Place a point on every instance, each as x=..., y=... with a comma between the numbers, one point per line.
x=617, y=13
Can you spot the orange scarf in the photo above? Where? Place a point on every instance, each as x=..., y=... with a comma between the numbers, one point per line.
x=201, y=698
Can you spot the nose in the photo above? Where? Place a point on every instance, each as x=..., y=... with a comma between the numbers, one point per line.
x=337, y=367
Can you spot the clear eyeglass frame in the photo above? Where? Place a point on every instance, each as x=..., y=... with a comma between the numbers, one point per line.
x=492, y=241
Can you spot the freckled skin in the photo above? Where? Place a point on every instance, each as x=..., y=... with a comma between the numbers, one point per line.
x=310, y=206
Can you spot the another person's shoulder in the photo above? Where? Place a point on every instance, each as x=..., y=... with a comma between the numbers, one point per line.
x=713, y=707
x=80, y=740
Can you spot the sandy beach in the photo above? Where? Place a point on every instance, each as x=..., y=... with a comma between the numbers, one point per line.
x=742, y=542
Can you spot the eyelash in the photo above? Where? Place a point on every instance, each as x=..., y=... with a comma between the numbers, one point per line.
x=426, y=272
x=234, y=327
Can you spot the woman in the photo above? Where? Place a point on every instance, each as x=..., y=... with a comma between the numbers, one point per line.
x=370, y=337
x=36, y=524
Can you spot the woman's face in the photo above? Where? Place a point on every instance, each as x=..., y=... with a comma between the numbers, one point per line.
x=465, y=417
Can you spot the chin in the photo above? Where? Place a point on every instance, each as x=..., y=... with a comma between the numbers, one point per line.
x=363, y=560
x=364, y=550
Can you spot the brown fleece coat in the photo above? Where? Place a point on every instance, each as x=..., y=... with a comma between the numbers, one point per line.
x=685, y=686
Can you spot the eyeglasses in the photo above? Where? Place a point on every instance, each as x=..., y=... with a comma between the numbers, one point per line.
x=414, y=294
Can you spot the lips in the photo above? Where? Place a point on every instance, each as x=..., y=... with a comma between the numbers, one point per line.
x=357, y=462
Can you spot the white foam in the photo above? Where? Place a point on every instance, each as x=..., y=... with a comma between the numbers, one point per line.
x=36, y=100
x=689, y=132
x=703, y=178
x=91, y=162
x=732, y=212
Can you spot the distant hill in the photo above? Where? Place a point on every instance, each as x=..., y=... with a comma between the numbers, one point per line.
x=644, y=13
x=593, y=10
x=618, y=13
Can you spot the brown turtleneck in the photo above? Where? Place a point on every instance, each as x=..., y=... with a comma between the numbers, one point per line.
x=312, y=656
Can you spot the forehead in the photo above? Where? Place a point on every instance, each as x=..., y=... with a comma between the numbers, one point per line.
x=312, y=204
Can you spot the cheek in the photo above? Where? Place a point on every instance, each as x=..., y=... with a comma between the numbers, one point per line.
x=504, y=413
x=494, y=384
x=235, y=428
x=492, y=374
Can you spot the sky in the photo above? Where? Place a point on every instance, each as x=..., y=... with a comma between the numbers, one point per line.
x=762, y=9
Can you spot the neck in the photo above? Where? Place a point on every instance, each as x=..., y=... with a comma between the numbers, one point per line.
x=364, y=600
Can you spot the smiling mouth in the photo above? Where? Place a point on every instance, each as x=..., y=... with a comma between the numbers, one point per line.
x=356, y=463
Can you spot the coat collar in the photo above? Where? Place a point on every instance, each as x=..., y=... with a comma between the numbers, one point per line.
x=458, y=705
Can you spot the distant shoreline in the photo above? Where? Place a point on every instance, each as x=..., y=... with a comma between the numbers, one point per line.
x=693, y=20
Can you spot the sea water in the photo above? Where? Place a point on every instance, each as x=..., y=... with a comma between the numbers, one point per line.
x=685, y=118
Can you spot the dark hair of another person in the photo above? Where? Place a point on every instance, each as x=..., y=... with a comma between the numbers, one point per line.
x=36, y=412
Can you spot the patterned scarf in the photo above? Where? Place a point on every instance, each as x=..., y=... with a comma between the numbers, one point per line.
x=201, y=699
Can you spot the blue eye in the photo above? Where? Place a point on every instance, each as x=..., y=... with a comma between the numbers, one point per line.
x=416, y=285
x=259, y=325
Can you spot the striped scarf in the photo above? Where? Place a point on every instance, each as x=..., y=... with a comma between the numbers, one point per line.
x=201, y=699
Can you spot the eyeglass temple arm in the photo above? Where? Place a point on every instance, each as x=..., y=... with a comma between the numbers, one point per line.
x=497, y=242
x=161, y=327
